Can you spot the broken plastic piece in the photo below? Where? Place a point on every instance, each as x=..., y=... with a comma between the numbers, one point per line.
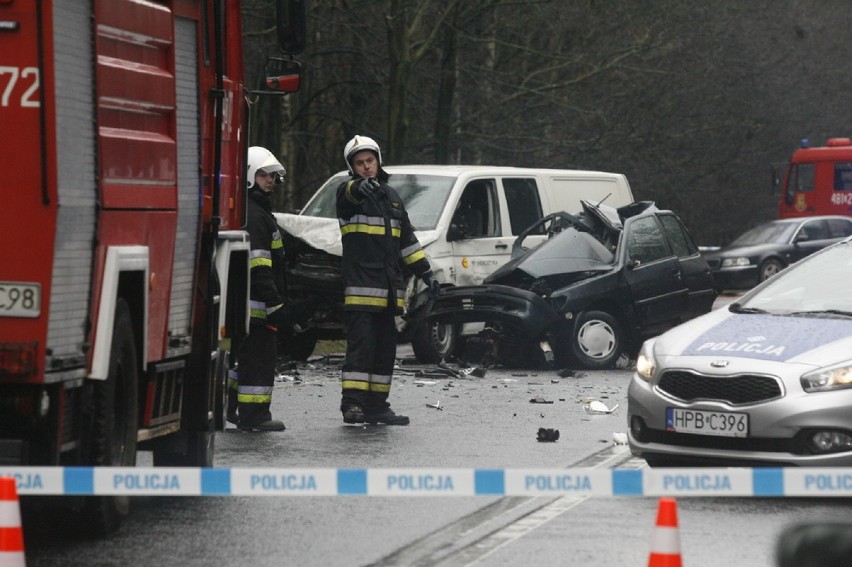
x=597, y=406
x=540, y=400
x=547, y=434
x=473, y=371
x=436, y=406
x=619, y=438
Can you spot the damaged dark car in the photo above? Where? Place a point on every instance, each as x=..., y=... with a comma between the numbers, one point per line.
x=605, y=280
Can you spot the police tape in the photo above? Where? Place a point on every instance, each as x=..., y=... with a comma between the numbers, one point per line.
x=592, y=482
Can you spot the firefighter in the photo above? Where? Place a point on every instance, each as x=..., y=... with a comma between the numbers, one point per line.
x=378, y=240
x=253, y=380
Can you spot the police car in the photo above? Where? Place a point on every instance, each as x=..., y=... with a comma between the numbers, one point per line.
x=766, y=380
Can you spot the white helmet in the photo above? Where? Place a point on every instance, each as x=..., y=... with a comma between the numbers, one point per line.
x=261, y=159
x=357, y=144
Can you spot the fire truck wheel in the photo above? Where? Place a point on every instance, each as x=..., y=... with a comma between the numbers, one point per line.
x=114, y=422
x=199, y=452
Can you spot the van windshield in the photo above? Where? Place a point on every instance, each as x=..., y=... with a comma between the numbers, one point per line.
x=424, y=197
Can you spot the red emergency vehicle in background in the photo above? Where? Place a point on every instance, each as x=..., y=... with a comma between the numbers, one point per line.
x=124, y=261
x=818, y=181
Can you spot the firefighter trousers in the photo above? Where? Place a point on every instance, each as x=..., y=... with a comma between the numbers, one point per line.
x=254, y=378
x=370, y=357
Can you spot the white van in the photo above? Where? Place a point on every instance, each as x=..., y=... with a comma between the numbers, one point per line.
x=466, y=218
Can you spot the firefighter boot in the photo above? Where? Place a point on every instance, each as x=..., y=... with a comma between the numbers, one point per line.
x=268, y=425
x=353, y=413
x=388, y=417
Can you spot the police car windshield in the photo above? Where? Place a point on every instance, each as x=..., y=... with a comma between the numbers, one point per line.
x=424, y=197
x=818, y=283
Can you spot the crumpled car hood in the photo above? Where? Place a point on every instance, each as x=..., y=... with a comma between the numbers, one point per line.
x=570, y=251
x=324, y=233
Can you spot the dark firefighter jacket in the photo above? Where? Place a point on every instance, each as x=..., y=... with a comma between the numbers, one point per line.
x=267, y=257
x=378, y=240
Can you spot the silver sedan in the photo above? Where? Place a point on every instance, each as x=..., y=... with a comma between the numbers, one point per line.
x=766, y=380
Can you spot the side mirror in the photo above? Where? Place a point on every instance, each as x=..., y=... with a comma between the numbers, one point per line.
x=801, y=237
x=283, y=75
x=290, y=21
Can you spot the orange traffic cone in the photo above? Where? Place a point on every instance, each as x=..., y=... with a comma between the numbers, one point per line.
x=11, y=532
x=665, y=542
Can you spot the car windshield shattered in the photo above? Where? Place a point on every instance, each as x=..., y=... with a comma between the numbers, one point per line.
x=800, y=291
x=424, y=197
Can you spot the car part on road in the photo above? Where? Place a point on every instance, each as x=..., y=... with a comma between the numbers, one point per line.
x=548, y=435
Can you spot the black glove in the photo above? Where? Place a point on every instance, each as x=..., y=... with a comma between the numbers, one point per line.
x=432, y=285
x=280, y=317
x=369, y=186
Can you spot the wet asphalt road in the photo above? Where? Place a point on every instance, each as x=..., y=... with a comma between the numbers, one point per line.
x=484, y=422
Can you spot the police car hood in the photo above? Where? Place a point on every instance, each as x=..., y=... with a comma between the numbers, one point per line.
x=324, y=233
x=758, y=339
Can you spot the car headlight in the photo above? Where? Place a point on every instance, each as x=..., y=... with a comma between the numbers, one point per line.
x=646, y=365
x=734, y=262
x=833, y=378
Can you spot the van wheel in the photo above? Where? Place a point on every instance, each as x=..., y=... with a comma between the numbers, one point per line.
x=433, y=342
x=114, y=423
x=597, y=340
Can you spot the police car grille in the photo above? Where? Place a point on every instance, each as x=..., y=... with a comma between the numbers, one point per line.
x=735, y=390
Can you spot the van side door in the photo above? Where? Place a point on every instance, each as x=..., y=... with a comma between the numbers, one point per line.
x=476, y=233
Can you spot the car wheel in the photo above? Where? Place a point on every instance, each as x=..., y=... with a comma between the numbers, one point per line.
x=433, y=342
x=770, y=268
x=597, y=340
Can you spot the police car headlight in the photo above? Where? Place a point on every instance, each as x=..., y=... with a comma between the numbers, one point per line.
x=645, y=363
x=735, y=262
x=824, y=379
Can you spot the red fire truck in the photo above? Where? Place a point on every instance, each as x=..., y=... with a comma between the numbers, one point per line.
x=124, y=261
x=818, y=180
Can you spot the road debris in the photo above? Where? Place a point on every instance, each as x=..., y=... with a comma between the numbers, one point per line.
x=540, y=400
x=436, y=406
x=619, y=438
x=547, y=434
x=597, y=406
x=425, y=382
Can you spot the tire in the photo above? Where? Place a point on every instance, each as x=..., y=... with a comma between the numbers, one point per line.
x=435, y=342
x=597, y=340
x=770, y=268
x=114, y=426
x=199, y=452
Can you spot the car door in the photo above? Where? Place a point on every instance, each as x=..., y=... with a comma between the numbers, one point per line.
x=696, y=273
x=653, y=274
x=476, y=233
x=813, y=235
